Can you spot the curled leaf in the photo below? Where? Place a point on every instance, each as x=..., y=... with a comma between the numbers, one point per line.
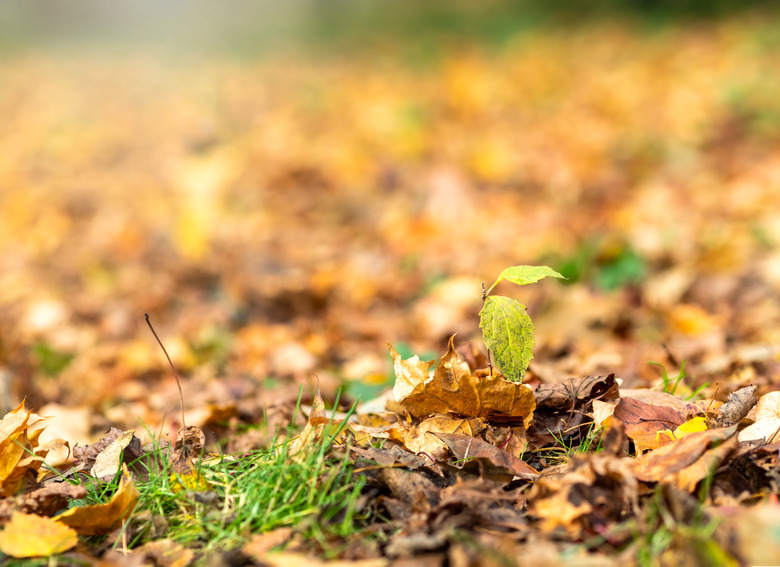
x=453, y=389
x=102, y=518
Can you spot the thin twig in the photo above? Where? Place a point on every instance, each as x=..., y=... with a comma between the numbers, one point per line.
x=175, y=374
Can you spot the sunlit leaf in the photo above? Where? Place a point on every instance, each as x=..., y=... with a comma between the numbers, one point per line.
x=524, y=275
x=29, y=535
x=509, y=334
x=102, y=518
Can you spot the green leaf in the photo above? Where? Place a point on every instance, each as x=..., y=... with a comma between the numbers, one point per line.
x=509, y=333
x=524, y=275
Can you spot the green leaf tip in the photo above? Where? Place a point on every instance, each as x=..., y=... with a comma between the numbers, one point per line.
x=524, y=275
x=509, y=333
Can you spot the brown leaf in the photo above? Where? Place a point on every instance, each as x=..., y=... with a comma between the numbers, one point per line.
x=647, y=425
x=736, y=407
x=564, y=410
x=687, y=460
x=468, y=449
x=453, y=389
x=422, y=437
x=596, y=490
x=190, y=441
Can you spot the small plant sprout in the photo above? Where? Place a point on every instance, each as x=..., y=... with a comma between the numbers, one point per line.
x=506, y=327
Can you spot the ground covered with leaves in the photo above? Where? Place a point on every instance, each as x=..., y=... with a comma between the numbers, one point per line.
x=283, y=219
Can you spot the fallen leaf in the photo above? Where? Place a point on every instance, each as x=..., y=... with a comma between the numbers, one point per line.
x=100, y=519
x=166, y=553
x=735, y=409
x=767, y=424
x=688, y=460
x=593, y=491
x=468, y=449
x=28, y=535
x=109, y=460
x=648, y=426
x=453, y=389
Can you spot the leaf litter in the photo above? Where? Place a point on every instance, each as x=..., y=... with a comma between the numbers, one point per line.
x=354, y=243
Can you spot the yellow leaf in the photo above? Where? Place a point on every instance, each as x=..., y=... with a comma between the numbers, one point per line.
x=189, y=480
x=693, y=425
x=102, y=518
x=28, y=535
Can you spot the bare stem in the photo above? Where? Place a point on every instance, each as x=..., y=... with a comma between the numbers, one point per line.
x=489, y=357
x=175, y=375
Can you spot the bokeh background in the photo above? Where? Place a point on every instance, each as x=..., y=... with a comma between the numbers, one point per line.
x=284, y=187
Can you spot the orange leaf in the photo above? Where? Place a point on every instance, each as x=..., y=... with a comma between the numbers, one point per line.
x=453, y=389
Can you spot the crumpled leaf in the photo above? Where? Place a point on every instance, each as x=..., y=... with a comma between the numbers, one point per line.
x=598, y=489
x=100, y=519
x=735, y=409
x=453, y=389
x=767, y=425
x=28, y=535
x=109, y=460
x=467, y=449
x=509, y=334
x=563, y=411
x=19, y=452
x=423, y=437
x=688, y=460
x=190, y=441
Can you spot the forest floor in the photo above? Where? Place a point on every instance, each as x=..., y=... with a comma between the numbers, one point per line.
x=282, y=219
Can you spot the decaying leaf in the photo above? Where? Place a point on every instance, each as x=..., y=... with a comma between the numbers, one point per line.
x=102, y=518
x=563, y=411
x=594, y=491
x=509, y=334
x=28, y=535
x=736, y=407
x=453, y=389
x=468, y=450
x=423, y=437
x=688, y=460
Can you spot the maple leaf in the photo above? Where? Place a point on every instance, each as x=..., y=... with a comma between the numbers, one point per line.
x=453, y=389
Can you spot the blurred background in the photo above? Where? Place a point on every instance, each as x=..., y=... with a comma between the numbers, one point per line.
x=284, y=187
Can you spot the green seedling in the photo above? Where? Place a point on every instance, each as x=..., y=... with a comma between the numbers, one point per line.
x=670, y=384
x=506, y=327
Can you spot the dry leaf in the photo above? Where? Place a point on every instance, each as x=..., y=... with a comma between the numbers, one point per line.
x=646, y=425
x=688, y=460
x=102, y=518
x=767, y=425
x=467, y=450
x=109, y=460
x=28, y=535
x=166, y=553
x=736, y=407
x=453, y=389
